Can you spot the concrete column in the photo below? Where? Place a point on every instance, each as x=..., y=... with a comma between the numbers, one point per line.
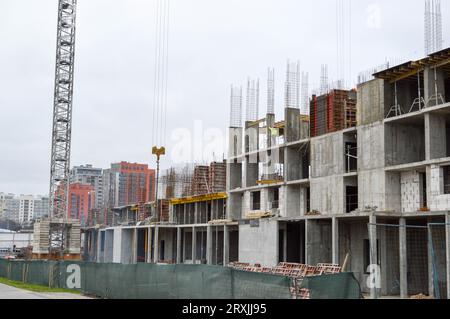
x=184, y=243
x=135, y=244
x=86, y=252
x=447, y=251
x=209, y=245
x=434, y=82
x=149, y=245
x=285, y=244
x=430, y=262
x=178, y=245
x=307, y=256
x=403, y=259
x=226, y=246
x=194, y=246
x=335, y=240
x=117, y=246
x=99, y=245
x=156, y=245
x=373, y=251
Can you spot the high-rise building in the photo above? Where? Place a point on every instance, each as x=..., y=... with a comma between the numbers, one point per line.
x=86, y=174
x=23, y=208
x=41, y=206
x=81, y=201
x=129, y=183
x=26, y=208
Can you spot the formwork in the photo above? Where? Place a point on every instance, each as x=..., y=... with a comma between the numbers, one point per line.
x=217, y=177
x=46, y=233
x=200, y=180
x=333, y=112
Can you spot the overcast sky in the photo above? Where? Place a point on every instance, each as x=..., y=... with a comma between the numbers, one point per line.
x=213, y=44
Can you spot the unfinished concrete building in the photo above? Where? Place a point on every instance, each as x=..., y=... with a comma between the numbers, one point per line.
x=376, y=193
x=197, y=233
x=372, y=196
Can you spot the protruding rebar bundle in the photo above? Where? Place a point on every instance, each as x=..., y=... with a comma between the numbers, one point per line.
x=236, y=107
x=433, y=26
x=324, y=85
x=271, y=91
x=305, y=93
x=252, y=106
x=292, y=85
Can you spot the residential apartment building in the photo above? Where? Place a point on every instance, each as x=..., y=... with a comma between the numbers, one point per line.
x=130, y=183
x=23, y=208
x=81, y=201
x=87, y=174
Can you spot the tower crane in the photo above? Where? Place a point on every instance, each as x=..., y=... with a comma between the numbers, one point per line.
x=57, y=232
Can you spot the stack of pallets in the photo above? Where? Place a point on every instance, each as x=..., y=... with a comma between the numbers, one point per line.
x=297, y=272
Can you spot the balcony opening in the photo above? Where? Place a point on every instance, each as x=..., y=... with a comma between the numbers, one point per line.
x=446, y=171
x=256, y=200
x=351, y=198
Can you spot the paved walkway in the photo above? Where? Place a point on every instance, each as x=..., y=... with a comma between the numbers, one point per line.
x=8, y=292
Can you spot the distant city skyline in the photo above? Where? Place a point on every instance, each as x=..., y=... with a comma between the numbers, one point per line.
x=212, y=45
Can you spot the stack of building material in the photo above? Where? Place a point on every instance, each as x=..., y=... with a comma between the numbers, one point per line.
x=217, y=177
x=333, y=112
x=74, y=244
x=41, y=237
x=200, y=185
x=258, y=215
x=292, y=270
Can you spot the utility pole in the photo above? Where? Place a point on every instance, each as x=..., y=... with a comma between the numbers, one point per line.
x=158, y=152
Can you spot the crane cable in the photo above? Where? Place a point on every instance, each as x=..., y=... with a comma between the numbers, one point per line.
x=161, y=66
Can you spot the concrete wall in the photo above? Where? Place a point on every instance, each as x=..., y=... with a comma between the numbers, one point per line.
x=327, y=195
x=292, y=124
x=351, y=241
x=117, y=245
x=127, y=246
x=259, y=244
x=294, y=203
x=370, y=102
x=404, y=144
x=377, y=188
x=327, y=155
x=318, y=242
x=234, y=205
x=371, y=146
x=167, y=236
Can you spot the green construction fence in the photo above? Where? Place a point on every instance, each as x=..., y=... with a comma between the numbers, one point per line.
x=151, y=281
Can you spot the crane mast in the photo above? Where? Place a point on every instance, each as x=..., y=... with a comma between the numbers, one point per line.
x=62, y=110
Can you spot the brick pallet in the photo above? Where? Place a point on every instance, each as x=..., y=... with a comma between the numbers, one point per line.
x=294, y=271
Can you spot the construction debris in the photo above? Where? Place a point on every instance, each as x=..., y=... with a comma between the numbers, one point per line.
x=258, y=215
x=220, y=221
x=421, y=296
x=313, y=213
